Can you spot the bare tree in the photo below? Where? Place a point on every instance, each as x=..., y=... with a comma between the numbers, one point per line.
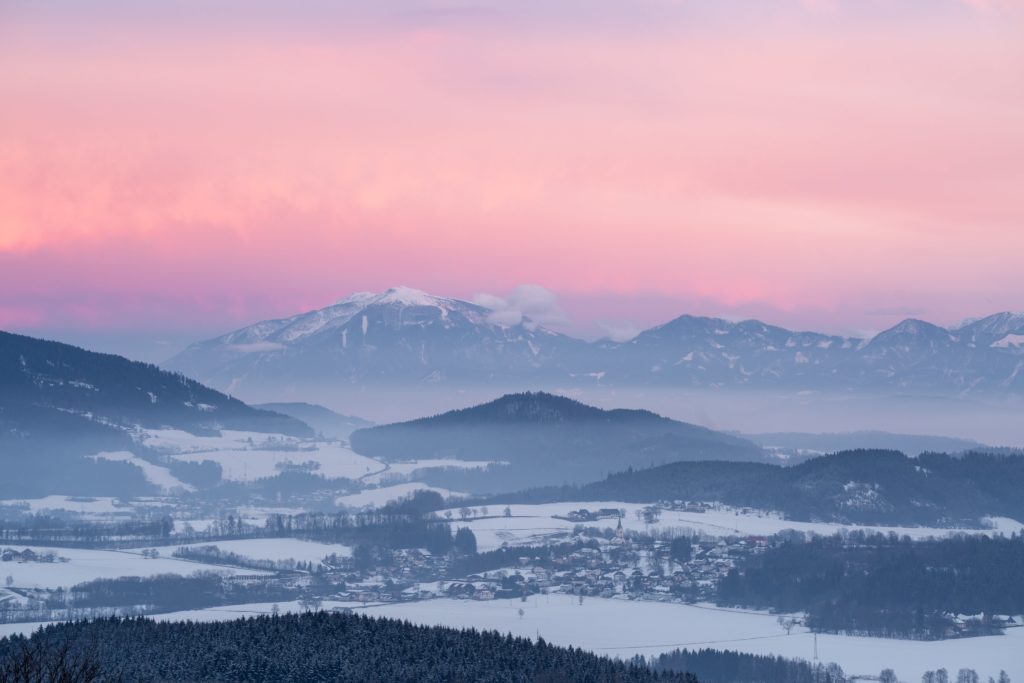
x=311, y=603
x=787, y=623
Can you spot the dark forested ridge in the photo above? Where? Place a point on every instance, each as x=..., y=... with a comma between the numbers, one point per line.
x=59, y=403
x=884, y=487
x=51, y=375
x=572, y=442
x=320, y=647
x=888, y=586
x=716, y=666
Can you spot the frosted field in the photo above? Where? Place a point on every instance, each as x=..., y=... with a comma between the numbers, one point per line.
x=178, y=441
x=623, y=628
x=532, y=524
x=269, y=549
x=334, y=461
x=406, y=468
x=247, y=456
x=156, y=475
x=90, y=506
x=86, y=565
x=385, y=494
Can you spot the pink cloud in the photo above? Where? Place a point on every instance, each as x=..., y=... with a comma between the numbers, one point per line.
x=807, y=166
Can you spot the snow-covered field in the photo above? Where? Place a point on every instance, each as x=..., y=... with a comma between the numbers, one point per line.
x=247, y=456
x=623, y=628
x=178, y=441
x=333, y=460
x=385, y=494
x=269, y=549
x=156, y=475
x=531, y=524
x=406, y=468
x=84, y=506
x=86, y=565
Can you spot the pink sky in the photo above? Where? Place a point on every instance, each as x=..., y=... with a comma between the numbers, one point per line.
x=183, y=168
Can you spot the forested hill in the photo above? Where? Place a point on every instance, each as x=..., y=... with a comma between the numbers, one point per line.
x=314, y=647
x=112, y=389
x=60, y=404
x=885, y=586
x=552, y=439
x=869, y=487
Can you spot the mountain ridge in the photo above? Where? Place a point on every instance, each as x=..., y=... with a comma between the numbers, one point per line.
x=403, y=336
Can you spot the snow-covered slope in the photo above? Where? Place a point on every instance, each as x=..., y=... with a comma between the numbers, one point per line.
x=401, y=335
x=407, y=337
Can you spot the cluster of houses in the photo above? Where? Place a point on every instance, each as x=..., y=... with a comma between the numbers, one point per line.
x=28, y=555
x=621, y=566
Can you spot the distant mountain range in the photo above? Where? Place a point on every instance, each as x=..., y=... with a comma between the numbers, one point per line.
x=546, y=439
x=799, y=446
x=60, y=403
x=407, y=337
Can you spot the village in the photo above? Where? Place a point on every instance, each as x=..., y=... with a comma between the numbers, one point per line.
x=592, y=561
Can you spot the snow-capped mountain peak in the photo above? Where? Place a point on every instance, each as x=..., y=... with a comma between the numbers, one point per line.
x=405, y=335
x=406, y=296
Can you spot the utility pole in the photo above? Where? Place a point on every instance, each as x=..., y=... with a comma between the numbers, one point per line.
x=815, y=647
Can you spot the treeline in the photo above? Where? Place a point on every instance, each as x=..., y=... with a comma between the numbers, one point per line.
x=398, y=527
x=211, y=554
x=131, y=595
x=317, y=647
x=886, y=585
x=865, y=487
x=716, y=666
x=374, y=528
x=48, y=529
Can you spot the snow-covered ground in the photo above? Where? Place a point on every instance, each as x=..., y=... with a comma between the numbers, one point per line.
x=406, y=468
x=332, y=459
x=87, y=565
x=385, y=494
x=531, y=524
x=178, y=441
x=84, y=506
x=247, y=456
x=269, y=549
x=156, y=475
x=623, y=628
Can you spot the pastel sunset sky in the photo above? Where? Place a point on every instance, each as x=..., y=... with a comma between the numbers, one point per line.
x=174, y=170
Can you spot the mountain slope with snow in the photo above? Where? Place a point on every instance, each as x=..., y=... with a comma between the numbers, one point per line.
x=405, y=337
x=398, y=336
